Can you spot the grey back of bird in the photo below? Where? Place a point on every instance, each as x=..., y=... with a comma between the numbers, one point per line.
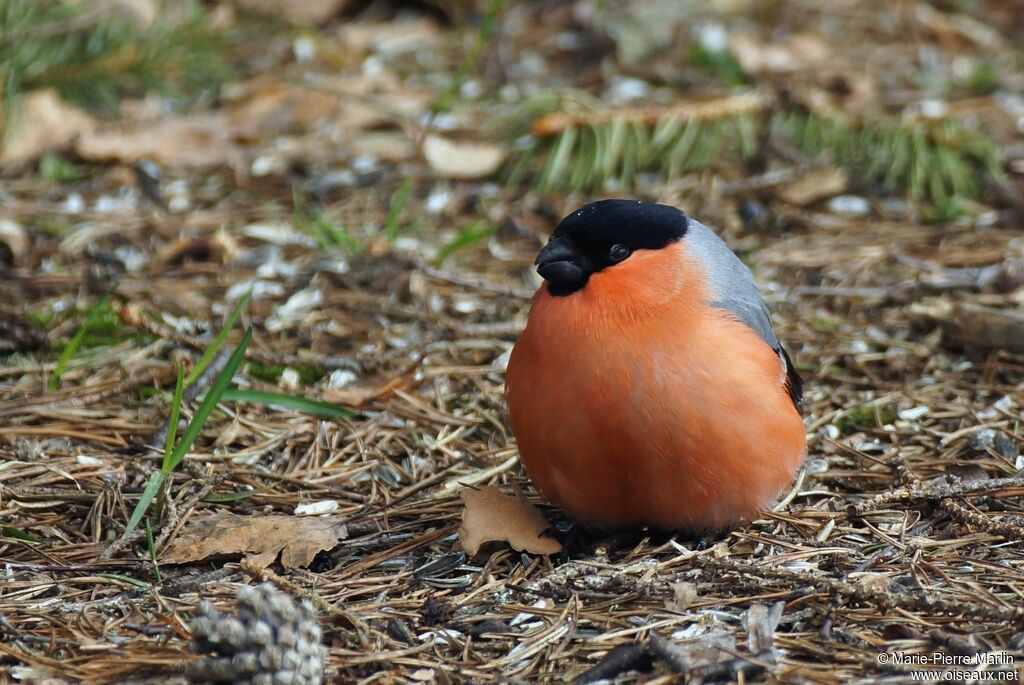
x=732, y=283
x=734, y=290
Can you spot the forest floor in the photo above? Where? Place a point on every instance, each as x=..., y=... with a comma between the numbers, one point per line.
x=385, y=269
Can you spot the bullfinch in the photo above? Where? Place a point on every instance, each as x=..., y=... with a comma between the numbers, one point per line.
x=649, y=388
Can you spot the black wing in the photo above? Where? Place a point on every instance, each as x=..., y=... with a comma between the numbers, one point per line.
x=794, y=384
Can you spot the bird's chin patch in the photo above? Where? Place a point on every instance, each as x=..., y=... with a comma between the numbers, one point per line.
x=563, y=277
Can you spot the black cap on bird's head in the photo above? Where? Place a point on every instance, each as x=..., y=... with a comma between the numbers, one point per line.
x=602, y=234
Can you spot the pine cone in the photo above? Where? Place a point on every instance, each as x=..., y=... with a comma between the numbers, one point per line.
x=270, y=640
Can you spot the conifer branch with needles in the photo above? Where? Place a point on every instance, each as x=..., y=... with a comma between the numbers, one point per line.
x=940, y=160
x=583, y=145
x=95, y=54
x=569, y=141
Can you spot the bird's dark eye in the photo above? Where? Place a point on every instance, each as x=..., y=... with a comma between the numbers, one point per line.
x=618, y=253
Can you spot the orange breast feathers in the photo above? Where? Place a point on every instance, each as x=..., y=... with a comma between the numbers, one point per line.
x=634, y=402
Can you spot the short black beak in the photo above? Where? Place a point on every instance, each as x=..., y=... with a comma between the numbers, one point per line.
x=562, y=266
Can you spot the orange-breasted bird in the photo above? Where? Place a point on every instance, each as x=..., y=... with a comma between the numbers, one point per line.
x=648, y=387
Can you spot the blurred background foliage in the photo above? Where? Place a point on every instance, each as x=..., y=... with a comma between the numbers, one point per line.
x=97, y=53
x=663, y=87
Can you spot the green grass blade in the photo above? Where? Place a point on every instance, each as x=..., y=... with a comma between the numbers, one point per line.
x=15, y=534
x=279, y=399
x=469, y=60
x=126, y=579
x=226, y=497
x=398, y=201
x=172, y=426
x=152, y=553
x=613, y=153
x=76, y=339
x=148, y=495
x=337, y=235
x=195, y=426
x=470, y=235
x=206, y=407
x=218, y=341
x=559, y=160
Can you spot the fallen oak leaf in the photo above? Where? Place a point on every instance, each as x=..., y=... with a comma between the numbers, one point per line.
x=260, y=538
x=492, y=516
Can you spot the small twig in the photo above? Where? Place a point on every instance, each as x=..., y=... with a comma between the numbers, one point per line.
x=6, y=627
x=193, y=583
x=170, y=515
x=867, y=595
x=557, y=595
x=969, y=517
x=556, y=123
x=116, y=567
x=938, y=492
x=120, y=543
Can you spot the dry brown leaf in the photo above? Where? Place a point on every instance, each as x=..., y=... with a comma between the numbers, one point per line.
x=814, y=186
x=312, y=11
x=42, y=123
x=260, y=538
x=273, y=105
x=346, y=103
x=204, y=140
x=492, y=516
x=462, y=159
x=798, y=52
x=269, y=107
